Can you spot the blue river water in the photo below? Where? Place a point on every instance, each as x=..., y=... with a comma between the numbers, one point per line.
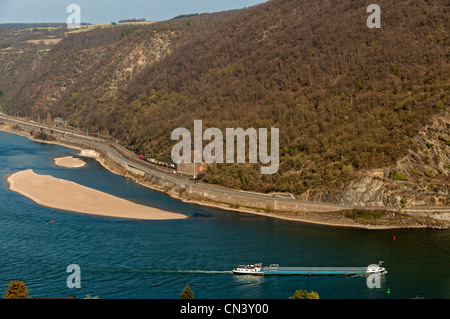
x=134, y=259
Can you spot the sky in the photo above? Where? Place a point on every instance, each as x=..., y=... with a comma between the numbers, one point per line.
x=106, y=11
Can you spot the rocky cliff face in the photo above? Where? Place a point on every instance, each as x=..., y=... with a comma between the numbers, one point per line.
x=426, y=172
x=136, y=59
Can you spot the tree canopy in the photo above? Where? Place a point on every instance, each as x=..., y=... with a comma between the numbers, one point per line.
x=304, y=294
x=16, y=290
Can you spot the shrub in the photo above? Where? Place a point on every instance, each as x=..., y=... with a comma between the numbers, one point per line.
x=394, y=69
x=303, y=294
x=42, y=136
x=403, y=201
x=399, y=177
x=268, y=209
x=365, y=214
x=128, y=31
x=443, y=139
x=429, y=174
x=359, y=84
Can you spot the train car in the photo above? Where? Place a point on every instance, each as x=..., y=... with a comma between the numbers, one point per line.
x=160, y=163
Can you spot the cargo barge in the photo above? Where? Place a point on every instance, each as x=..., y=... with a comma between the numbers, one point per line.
x=275, y=269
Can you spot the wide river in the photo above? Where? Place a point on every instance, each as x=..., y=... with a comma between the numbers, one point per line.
x=128, y=259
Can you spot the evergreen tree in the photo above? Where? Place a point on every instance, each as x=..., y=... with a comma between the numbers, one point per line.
x=187, y=293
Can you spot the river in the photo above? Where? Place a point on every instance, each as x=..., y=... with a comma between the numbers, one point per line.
x=134, y=259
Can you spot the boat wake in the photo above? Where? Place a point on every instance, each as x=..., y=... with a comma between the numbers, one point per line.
x=195, y=271
x=181, y=271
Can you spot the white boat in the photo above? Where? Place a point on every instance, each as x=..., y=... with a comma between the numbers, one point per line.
x=255, y=269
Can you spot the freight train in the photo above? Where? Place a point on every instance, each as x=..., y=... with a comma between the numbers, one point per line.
x=156, y=162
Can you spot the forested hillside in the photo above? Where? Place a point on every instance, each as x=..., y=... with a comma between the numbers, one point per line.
x=347, y=99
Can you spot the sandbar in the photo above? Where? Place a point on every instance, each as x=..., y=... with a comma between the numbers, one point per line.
x=70, y=162
x=57, y=193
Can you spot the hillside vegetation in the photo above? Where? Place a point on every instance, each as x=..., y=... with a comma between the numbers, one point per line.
x=347, y=99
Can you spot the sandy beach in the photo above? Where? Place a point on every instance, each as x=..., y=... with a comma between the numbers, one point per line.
x=48, y=191
x=89, y=153
x=69, y=162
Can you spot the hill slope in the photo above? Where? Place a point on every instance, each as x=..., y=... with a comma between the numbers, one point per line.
x=347, y=99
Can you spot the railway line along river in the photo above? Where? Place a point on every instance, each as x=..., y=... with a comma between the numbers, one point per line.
x=130, y=258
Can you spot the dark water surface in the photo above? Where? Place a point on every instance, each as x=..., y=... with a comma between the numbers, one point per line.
x=121, y=258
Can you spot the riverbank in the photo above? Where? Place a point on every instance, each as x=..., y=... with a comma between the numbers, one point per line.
x=56, y=193
x=352, y=218
x=387, y=219
x=390, y=219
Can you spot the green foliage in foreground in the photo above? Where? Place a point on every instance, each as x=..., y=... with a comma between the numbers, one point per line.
x=18, y=290
x=304, y=294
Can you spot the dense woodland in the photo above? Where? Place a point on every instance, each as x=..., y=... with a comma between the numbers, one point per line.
x=345, y=97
